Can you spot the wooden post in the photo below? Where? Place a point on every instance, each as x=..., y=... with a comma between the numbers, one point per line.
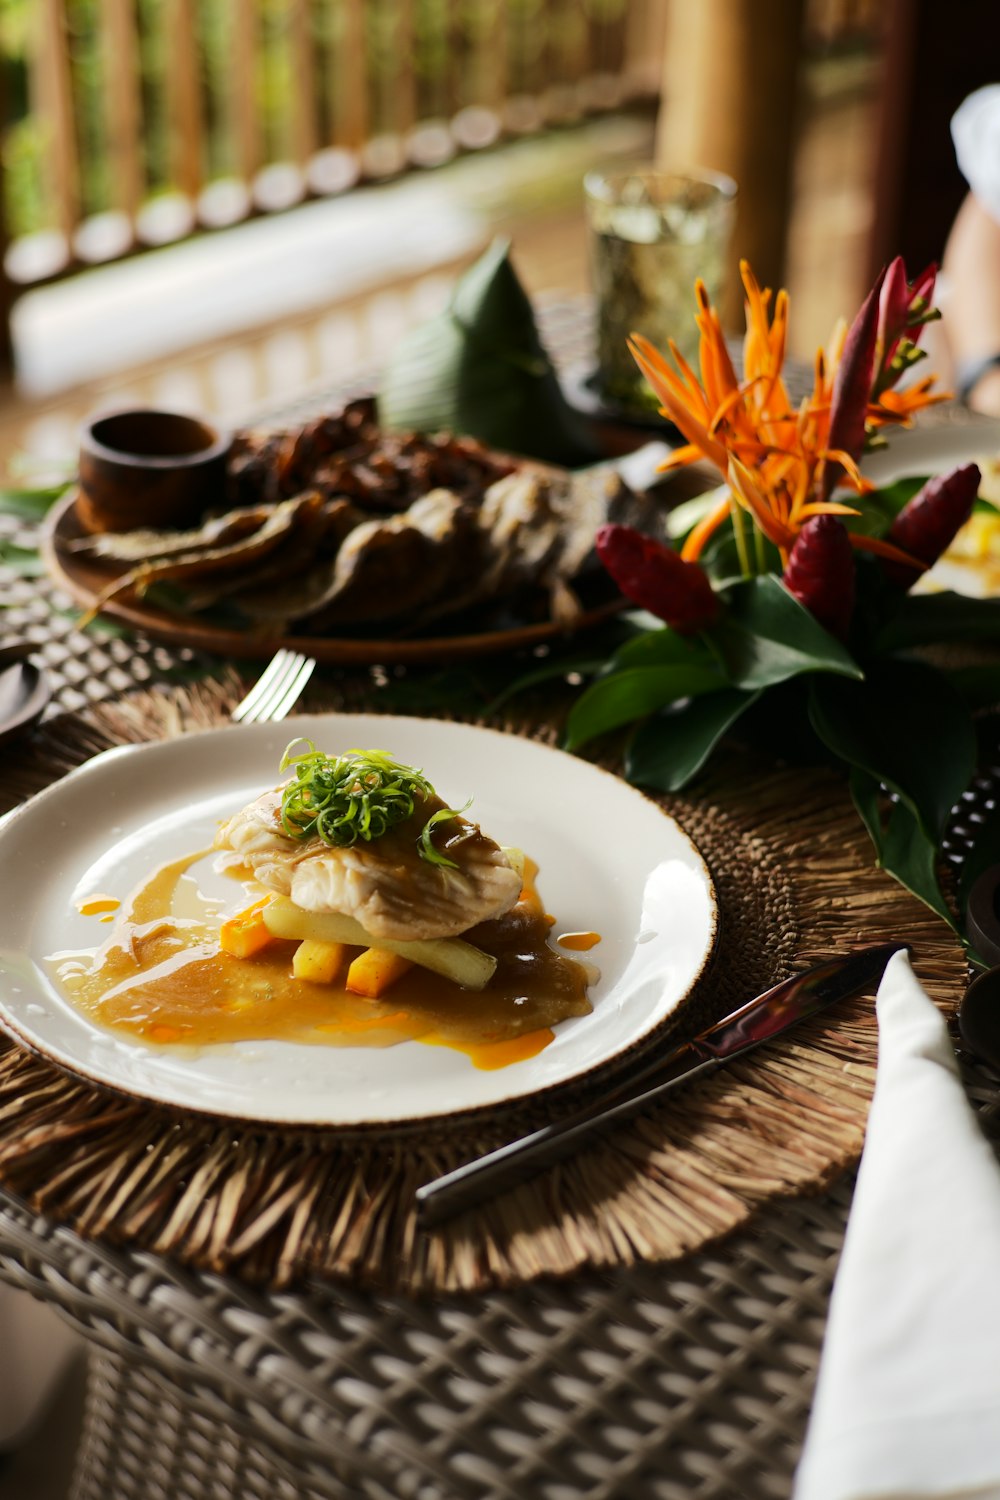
x=6, y=289
x=303, y=101
x=404, y=85
x=122, y=104
x=729, y=102
x=242, y=104
x=485, y=33
x=352, y=76
x=52, y=102
x=933, y=58
x=184, y=98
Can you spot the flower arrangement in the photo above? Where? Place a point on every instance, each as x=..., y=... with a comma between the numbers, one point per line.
x=786, y=606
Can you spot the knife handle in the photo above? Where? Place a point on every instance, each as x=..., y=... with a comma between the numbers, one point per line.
x=757, y=1021
x=510, y=1165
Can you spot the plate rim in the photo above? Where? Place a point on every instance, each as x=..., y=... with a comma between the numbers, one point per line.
x=248, y=645
x=402, y=1126
x=974, y=437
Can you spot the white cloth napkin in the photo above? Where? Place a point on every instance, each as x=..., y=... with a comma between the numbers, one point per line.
x=908, y=1399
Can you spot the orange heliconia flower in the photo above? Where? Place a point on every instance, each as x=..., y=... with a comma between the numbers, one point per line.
x=771, y=456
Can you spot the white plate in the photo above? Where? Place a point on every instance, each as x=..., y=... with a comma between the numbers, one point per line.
x=610, y=861
x=933, y=450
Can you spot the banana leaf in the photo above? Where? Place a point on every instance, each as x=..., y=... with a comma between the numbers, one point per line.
x=479, y=368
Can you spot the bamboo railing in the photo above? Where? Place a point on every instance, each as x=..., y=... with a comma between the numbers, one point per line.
x=139, y=101
x=152, y=119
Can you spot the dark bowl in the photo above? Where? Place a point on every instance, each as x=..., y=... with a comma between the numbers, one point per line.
x=149, y=468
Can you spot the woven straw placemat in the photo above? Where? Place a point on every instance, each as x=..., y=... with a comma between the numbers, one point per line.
x=796, y=883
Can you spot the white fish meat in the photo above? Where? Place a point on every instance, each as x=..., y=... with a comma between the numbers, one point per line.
x=385, y=885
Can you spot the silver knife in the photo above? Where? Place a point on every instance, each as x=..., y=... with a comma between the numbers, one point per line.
x=753, y=1023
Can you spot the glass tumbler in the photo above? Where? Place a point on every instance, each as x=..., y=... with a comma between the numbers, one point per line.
x=652, y=234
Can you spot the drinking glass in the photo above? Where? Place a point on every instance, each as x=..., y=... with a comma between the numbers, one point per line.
x=652, y=234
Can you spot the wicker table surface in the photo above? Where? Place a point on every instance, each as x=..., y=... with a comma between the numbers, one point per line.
x=654, y=1383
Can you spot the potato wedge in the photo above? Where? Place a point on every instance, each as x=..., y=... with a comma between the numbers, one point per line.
x=319, y=963
x=373, y=971
x=452, y=958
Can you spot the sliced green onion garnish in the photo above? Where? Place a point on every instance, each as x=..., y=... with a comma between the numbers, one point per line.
x=356, y=796
x=432, y=855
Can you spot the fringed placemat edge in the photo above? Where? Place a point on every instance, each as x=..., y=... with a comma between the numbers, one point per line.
x=275, y=1209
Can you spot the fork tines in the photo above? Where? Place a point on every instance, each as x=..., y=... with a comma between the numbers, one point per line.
x=278, y=688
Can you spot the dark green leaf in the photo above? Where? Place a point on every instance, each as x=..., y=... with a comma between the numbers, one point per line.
x=672, y=746
x=766, y=636
x=902, y=847
x=30, y=504
x=925, y=619
x=880, y=508
x=663, y=647
x=632, y=694
x=979, y=686
x=24, y=561
x=906, y=726
x=549, y=671
x=504, y=678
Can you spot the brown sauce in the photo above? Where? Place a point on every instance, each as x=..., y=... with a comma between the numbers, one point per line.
x=163, y=977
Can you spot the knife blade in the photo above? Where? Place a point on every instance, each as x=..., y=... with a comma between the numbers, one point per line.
x=747, y=1027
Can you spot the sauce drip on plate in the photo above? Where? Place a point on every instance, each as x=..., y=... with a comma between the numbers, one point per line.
x=161, y=976
x=579, y=942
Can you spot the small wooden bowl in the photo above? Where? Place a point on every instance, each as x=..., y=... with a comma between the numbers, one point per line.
x=149, y=468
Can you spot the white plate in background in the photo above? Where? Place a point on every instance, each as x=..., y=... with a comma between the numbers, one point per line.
x=926, y=451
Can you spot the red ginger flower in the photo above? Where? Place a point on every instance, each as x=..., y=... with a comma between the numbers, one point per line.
x=658, y=579
x=904, y=308
x=820, y=573
x=927, y=524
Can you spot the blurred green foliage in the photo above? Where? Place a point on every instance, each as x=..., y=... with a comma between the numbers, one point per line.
x=453, y=47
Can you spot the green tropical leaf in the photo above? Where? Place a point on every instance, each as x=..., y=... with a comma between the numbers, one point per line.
x=684, y=517
x=766, y=636
x=926, y=619
x=30, y=505
x=480, y=368
x=24, y=561
x=549, y=671
x=664, y=647
x=902, y=847
x=632, y=694
x=880, y=508
x=672, y=746
x=881, y=727
x=979, y=685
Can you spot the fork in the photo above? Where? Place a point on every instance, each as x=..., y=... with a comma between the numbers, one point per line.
x=277, y=689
